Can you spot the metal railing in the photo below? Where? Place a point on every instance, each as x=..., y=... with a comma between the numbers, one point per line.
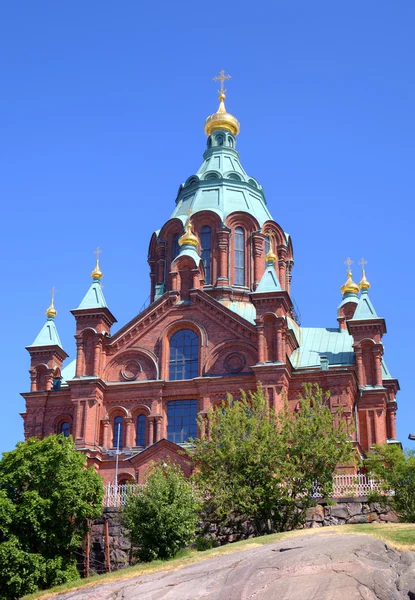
x=344, y=486
x=352, y=486
x=116, y=495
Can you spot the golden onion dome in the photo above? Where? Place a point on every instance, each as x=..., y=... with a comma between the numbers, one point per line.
x=96, y=273
x=188, y=237
x=350, y=287
x=222, y=119
x=270, y=256
x=52, y=312
x=364, y=285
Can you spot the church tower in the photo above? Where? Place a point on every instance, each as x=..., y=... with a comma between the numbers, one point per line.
x=220, y=319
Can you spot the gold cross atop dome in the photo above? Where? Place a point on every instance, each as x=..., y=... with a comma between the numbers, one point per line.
x=97, y=273
x=51, y=312
x=270, y=255
x=364, y=285
x=222, y=77
x=350, y=287
x=222, y=120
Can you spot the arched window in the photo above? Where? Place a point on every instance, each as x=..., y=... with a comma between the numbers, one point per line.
x=117, y=438
x=176, y=247
x=65, y=428
x=205, y=245
x=184, y=355
x=267, y=244
x=239, y=256
x=140, y=439
x=181, y=420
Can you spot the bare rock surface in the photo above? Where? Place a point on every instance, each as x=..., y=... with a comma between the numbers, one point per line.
x=325, y=566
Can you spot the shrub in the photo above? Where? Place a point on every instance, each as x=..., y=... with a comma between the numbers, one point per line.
x=162, y=518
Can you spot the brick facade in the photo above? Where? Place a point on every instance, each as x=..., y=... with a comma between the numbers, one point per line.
x=244, y=337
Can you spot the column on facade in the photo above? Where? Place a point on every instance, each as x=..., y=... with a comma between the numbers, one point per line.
x=150, y=421
x=158, y=420
x=80, y=357
x=288, y=276
x=129, y=432
x=359, y=362
x=223, y=245
x=258, y=251
x=105, y=433
x=261, y=343
x=391, y=416
x=152, y=264
x=196, y=278
x=78, y=420
x=97, y=356
x=282, y=266
x=280, y=345
x=33, y=380
x=160, y=252
x=377, y=355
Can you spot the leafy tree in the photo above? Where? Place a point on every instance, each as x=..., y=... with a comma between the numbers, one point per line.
x=46, y=496
x=162, y=518
x=259, y=465
x=395, y=470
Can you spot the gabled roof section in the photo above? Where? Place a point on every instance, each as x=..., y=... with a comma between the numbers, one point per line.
x=365, y=309
x=316, y=342
x=269, y=281
x=47, y=336
x=94, y=298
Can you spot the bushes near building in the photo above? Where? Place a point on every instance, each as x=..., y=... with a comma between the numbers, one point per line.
x=162, y=518
x=46, y=496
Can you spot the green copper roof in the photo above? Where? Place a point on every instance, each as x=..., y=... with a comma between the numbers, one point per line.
x=246, y=310
x=269, y=281
x=365, y=308
x=221, y=184
x=349, y=297
x=188, y=250
x=48, y=335
x=68, y=372
x=94, y=298
x=317, y=342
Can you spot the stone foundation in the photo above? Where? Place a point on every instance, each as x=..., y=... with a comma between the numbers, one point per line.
x=348, y=511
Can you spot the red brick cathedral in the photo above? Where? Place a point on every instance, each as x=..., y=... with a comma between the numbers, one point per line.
x=221, y=318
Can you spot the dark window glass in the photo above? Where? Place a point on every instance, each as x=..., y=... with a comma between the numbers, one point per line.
x=65, y=429
x=205, y=244
x=239, y=256
x=176, y=247
x=140, y=439
x=267, y=245
x=184, y=355
x=117, y=439
x=181, y=420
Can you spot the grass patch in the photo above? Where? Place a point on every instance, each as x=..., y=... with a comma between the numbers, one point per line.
x=400, y=536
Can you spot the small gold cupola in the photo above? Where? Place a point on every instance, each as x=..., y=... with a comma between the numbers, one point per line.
x=188, y=237
x=364, y=285
x=51, y=311
x=97, y=273
x=222, y=120
x=270, y=256
x=350, y=287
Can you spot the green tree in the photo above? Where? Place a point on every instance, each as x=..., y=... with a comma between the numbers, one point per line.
x=162, y=518
x=46, y=496
x=259, y=465
x=395, y=470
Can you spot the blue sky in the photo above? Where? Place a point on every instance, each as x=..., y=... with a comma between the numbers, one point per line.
x=102, y=107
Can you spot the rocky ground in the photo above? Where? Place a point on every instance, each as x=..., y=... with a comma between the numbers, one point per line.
x=323, y=566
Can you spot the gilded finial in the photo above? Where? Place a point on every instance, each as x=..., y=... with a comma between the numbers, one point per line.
x=51, y=312
x=188, y=237
x=364, y=285
x=97, y=273
x=270, y=256
x=350, y=287
x=222, y=120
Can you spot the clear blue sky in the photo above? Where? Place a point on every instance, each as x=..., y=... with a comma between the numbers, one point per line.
x=102, y=107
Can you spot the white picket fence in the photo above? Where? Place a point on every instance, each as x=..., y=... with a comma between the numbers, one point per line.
x=344, y=486
x=351, y=486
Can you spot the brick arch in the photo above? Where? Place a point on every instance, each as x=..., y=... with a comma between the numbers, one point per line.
x=216, y=359
x=186, y=274
x=146, y=359
x=41, y=371
x=164, y=342
x=139, y=409
x=115, y=411
x=243, y=219
x=60, y=419
x=276, y=230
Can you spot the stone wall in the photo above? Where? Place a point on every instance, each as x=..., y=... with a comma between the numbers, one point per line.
x=348, y=511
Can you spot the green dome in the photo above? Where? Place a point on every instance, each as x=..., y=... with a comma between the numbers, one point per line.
x=221, y=184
